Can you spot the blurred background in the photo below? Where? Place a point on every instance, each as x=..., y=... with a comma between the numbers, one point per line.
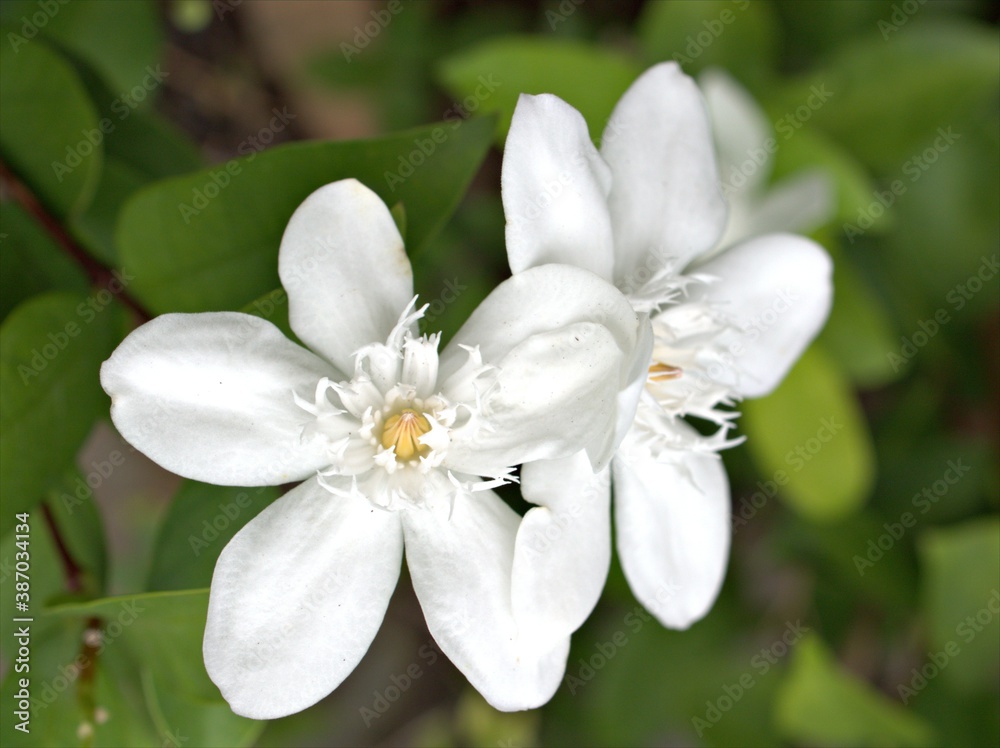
x=152, y=153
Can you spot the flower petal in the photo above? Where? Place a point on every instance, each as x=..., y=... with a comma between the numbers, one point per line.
x=540, y=299
x=297, y=597
x=347, y=275
x=665, y=197
x=777, y=289
x=555, y=394
x=802, y=202
x=555, y=186
x=461, y=571
x=672, y=520
x=563, y=547
x=210, y=397
x=524, y=327
x=741, y=132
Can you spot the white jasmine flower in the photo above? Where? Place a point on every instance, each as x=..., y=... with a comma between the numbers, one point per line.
x=396, y=444
x=746, y=144
x=645, y=212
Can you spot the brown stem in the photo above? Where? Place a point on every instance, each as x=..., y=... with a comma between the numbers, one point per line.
x=71, y=570
x=99, y=274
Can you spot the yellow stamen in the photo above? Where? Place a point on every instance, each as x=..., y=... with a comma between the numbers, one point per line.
x=662, y=372
x=403, y=431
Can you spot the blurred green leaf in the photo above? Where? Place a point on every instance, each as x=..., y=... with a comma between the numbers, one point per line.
x=859, y=334
x=810, y=436
x=210, y=240
x=740, y=36
x=962, y=600
x=51, y=349
x=48, y=127
x=819, y=704
x=139, y=147
x=163, y=630
x=888, y=99
x=80, y=527
x=490, y=77
x=207, y=724
x=119, y=39
x=200, y=521
x=30, y=261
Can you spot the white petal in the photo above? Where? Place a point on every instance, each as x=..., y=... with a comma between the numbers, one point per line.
x=802, y=202
x=665, y=198
x=555, y=186
x=635, y=379
x=556, y=393
x=536, y=303
x=777, y=289
x=672, y=521
x=741, y=131
x=461, y=571
x=297, y=597
x=563, y=547
x=210, y=397
x=540, y=300
x=343, y=265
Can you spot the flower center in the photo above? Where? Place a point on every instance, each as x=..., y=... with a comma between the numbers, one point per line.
x=403, y=432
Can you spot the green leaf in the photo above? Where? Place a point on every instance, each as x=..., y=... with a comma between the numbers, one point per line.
x=47, y=124
x=30, y=261
x=209, y=241
x=859, y=333
x=819, y=704
x=200, y=521
x=162, y=629
x=889, y=98
x=139, y=147
x=491, y=76
x=962, y=599
x=810, y=437
x=739, y=36
x=118, y=39
x=51, y=349
x=206, y=724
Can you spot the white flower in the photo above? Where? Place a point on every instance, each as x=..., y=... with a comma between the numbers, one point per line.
x=394, y=443
x=645, y=212
x=746, y=144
